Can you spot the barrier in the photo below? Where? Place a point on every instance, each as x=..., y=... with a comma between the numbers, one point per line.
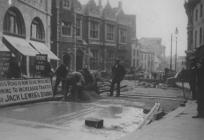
x=24, y=90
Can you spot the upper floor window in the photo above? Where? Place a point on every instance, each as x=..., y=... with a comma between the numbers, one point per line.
x=94, y=29
x=196, y=14
x=123, y=35
x=110, y=32
x=14, y=23
x=79, y=27
x=37, y=30
x=67, y=4
x=201, y=35
x=201, y=10
x=66, y=28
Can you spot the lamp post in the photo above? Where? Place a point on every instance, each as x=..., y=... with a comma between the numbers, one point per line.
x=176, y=33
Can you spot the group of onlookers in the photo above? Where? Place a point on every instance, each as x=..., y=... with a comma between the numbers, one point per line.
x=72, y=82
x=77, y=82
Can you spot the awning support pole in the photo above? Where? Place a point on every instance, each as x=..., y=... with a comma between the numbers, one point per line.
x=28, y=66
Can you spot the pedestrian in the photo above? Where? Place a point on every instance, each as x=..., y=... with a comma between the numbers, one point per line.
x=61, y=76
x=118, y=73
x=200, y=94
x=14, y=70
x=192, y=80
x=47, y=72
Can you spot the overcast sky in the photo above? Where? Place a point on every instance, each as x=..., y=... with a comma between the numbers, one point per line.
x=157, y=18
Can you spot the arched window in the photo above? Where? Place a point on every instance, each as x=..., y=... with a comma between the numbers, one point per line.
x=14, y=23
x=37, y=30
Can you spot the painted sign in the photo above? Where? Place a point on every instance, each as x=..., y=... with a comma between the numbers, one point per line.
x=20, y=91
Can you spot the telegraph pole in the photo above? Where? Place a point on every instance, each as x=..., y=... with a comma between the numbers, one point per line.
x=176, y=33
x=176, y=55
x=171, y=52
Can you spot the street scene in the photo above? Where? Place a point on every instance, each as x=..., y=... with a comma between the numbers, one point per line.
x=101, y=69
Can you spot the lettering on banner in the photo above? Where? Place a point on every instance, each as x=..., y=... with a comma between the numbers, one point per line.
x=17, y=91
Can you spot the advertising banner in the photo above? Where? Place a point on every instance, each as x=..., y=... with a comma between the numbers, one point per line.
x=20, y=91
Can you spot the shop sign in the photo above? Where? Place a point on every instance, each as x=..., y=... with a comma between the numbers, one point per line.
x=41, y=60
x=4, y=62
x=20, y=91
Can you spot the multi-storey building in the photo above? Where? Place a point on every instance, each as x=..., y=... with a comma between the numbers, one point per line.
x=156, y=50
x=96, y=34
x=195, y=13
x=25, y=30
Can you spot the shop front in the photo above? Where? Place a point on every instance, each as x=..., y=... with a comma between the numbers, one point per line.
x=29, y=55
x=25, y=53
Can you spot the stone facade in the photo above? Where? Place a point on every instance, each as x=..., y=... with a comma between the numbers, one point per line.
x=27, y=10
x=106, y=34
x=195, y=13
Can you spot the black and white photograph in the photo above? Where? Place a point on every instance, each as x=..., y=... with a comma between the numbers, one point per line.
x=101, y=69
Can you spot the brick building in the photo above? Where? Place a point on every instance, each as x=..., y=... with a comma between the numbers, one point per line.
x=102, y=33
x=195, y=13
x=25, y=30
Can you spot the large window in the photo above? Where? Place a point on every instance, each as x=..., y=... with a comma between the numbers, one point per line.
x=14, y=23
x=37, y=30
x=196, y=15
x=66, y=28
x=94, y=29
x=123, y=35
x=79, y=27
x=110, y=32
x=201, y=10
x=67, y=4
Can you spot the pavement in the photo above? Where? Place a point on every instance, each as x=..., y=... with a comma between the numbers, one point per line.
x=177, y=125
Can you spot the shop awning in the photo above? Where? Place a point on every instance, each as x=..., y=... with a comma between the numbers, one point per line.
x=21, y=45
x=43, y=49
x=3, y=48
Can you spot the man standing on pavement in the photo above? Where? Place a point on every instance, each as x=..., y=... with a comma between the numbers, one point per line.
x=200, y=94
x=61, y=76
x=118, y=73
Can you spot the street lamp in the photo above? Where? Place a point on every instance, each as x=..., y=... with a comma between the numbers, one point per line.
x=176, y=33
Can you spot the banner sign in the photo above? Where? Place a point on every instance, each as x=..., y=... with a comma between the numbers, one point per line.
x=19, y=91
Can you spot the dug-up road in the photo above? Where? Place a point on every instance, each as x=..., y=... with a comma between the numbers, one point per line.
x=59, y=120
